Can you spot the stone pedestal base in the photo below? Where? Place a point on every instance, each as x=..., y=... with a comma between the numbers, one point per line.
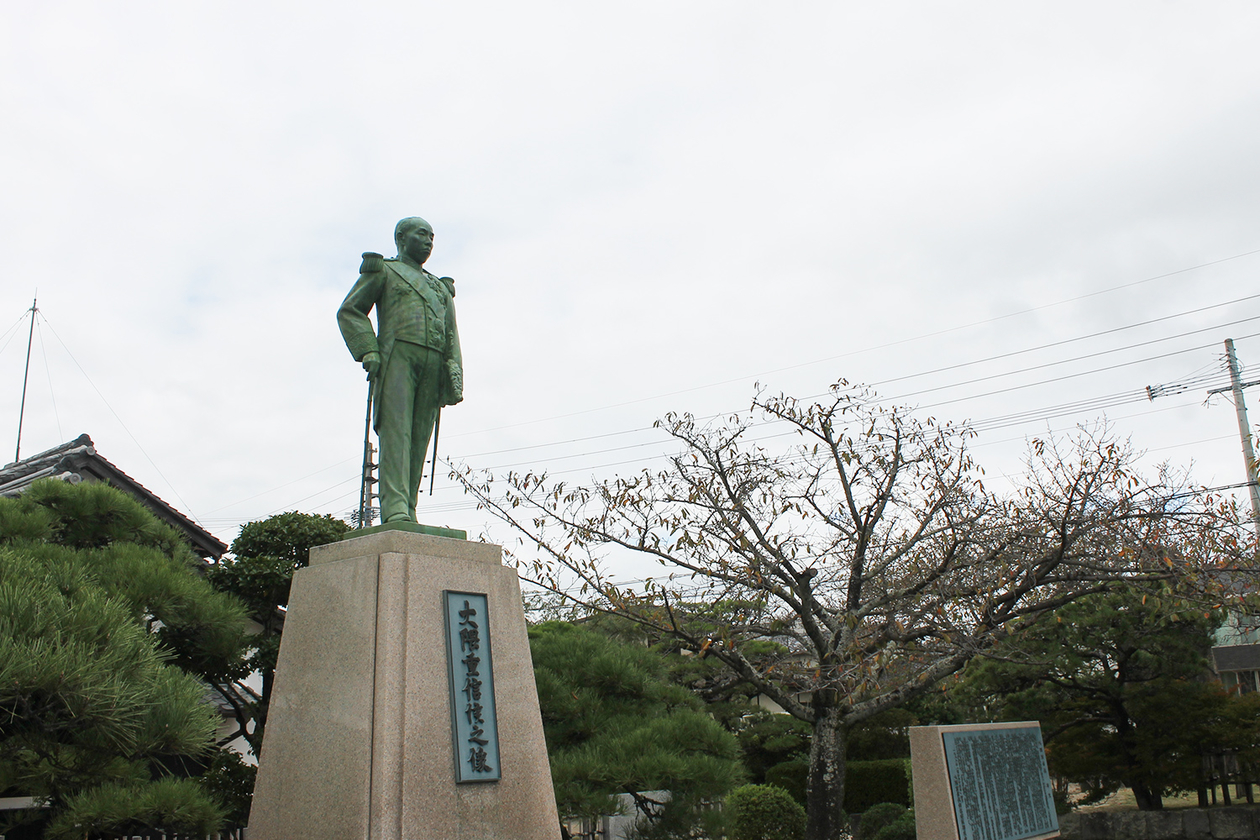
x=358, y=743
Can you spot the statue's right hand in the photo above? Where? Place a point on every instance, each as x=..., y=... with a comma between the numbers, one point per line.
x=372, y=362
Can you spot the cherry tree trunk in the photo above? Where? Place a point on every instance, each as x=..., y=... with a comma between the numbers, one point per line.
x=825, y=790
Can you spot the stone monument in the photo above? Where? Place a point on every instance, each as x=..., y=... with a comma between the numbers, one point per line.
x=404, y=704
x=983, y=781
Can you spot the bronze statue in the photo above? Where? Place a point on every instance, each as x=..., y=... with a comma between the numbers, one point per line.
x=412, y=358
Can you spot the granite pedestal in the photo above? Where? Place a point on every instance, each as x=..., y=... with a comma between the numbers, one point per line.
x=359, y=740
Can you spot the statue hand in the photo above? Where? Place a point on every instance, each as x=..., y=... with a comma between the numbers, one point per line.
x=372, y=362
x=455, y=382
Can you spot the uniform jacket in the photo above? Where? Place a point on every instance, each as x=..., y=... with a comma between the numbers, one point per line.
x=412, y=305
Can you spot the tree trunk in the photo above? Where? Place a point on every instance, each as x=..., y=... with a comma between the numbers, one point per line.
x=825, y=791
x=1147, y=799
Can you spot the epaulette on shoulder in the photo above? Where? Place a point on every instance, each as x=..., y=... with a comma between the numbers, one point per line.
x=372, y=261
x=450, y=284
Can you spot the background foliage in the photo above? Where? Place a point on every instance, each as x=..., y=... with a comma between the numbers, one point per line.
x=615, y=724
x=106, y=634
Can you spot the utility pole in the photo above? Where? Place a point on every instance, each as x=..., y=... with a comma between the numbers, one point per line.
x=17, y=454
x=1236, y=386
x=367, y=492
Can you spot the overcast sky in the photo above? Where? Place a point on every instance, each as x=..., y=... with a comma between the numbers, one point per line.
x=646, y=207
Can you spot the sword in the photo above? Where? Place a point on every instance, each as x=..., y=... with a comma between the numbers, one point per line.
x=437, y=427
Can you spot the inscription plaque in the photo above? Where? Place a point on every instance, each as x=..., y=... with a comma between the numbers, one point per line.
x=1000, y=783
x=474, y=725
x=982, y=782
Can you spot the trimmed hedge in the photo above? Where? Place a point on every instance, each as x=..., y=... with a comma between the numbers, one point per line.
x=876, y=818
x=903, y=828
x=866, y=783
x=791, y=776
x=764, y=812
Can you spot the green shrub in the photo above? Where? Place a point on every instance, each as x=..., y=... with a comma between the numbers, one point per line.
x=868, y=783
x=792, y=776
x=878, y=817
x=685, y=820
x=764, y=812
x=177, y=805
x=902, y=828
x=231, y=782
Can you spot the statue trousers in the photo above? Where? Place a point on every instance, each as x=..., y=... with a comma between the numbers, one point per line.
x=410, y=391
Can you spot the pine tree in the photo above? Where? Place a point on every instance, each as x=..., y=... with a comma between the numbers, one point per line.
x=615, y=724
x=105, y=626
x=259, y=571
x=1120, y=683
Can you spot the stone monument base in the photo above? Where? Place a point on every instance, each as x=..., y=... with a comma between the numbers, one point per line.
x=359, y=742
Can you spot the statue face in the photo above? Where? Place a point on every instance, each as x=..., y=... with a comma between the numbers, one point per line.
x=416, y=244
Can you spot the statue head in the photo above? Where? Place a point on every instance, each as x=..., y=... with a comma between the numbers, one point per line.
x=414, y=238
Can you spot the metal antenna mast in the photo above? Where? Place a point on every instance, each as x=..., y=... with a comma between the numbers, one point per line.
x=17, y=454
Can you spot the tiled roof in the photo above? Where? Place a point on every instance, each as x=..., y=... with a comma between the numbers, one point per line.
x=78, y=461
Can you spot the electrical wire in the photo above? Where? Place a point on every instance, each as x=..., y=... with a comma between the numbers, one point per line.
x=52, y=394
x=992, y=424
x=187, y=507
x=1075, y=375
x=1006, y=421
x=1081, y=358
x=12, y=332
x=1067, y=341
x=282, y=486
x=872, y=348
x=1036, y=414
x=958, y=366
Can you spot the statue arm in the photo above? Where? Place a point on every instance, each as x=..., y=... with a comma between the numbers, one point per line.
x=352, y=317
x=454, y=358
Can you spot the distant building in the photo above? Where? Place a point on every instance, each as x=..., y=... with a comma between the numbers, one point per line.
x=1236, y=652
x=78, y=461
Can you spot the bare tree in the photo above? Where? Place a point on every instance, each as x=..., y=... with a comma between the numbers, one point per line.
x=868, y=547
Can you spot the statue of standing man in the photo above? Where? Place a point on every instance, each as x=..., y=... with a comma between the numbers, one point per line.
x=412, y=358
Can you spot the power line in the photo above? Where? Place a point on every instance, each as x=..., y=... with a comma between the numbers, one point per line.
x=1067, y=341
x=1018, y=418
x=282, y=486
x=1075, y=375
x=52, y=394
x=463, y=504
x=1050, y=412
x=12, y=332
x=1081, y=358
x=884, y=346
x=938, y=370
x=134, y=440
x=1032, y=415
x=989, y=424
